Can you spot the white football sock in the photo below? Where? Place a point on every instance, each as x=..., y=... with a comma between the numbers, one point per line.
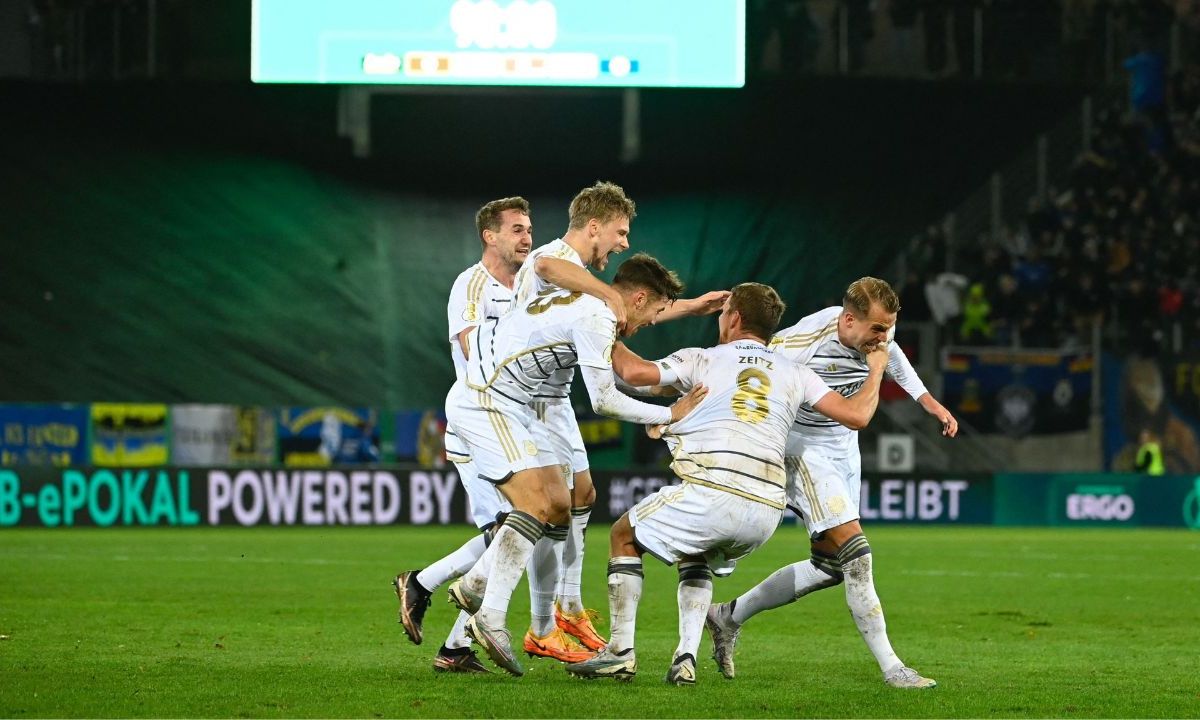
x=543, y=578
x=624, y=592
x=458, y=635
x=785, y=585
x=453, y=565
x=694, y=597
x=863, y=601
x=513, y=545
x=569, y=594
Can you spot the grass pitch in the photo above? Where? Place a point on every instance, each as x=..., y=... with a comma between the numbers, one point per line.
x=271, y=622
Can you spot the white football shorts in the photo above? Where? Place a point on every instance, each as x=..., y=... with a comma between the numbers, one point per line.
x=691, y=520
x=503, y=438
x=824, y=481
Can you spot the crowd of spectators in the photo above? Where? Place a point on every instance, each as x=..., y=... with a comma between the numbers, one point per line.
x=1066, y=39
x=1118, y=244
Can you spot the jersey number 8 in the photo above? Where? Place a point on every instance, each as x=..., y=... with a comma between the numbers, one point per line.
x=750, y=401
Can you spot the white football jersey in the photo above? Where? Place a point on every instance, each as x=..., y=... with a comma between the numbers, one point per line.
x=516, y=355
x=475, y=297
x=528, y=284
x=814, y=342
x=735, y=439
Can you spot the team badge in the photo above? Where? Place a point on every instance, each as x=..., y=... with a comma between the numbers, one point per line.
x=836, y=505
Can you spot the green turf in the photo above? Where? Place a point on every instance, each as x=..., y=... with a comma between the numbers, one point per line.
x=302, y=622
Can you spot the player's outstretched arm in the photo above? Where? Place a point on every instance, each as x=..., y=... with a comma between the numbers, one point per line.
x=706, y=304
x=633, y=368
x=856, y=411
x=569, y=276
x=607, y=400
x=902, y=372
x=666, y=378
x=936, y=409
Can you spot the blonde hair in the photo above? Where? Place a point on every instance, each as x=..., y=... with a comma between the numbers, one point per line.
x=488, y=217
x=603, y=201
x=866, y=290
x=760, y=308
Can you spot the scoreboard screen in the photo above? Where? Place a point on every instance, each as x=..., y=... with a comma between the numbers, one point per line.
x=583, y=43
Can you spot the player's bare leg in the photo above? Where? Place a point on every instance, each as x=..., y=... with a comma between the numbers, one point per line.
x=571, y=615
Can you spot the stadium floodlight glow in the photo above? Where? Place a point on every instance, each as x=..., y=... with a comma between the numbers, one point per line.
x=615, y=43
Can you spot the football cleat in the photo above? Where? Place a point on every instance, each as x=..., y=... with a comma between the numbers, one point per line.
x=462, y=596
x=607, y=663
x=580, y=627
x=414, y=600
x=683, y=670
x=458, y=660
x=724, y=631
x=557, y=645
x=496, y=642
x=906, y=677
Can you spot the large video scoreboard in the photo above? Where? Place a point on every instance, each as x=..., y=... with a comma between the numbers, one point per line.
x=608, y=43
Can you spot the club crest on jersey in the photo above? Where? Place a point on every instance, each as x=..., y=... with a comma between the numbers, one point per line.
x=836, y=505
x=471, y=312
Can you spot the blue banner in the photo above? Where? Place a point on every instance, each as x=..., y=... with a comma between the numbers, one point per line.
x=323, y=436
x=420, y=437
x=47, y=435
x=1018, y=392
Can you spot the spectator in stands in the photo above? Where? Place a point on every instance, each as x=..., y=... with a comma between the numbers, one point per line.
x=1144, y=408
x=1147, y=94
x=944, y=291
x=1149, y=455
x=1038, y=326
x=976, y=326
x=1170, y=299
x=913, y=300
x=1006, y=309
x=1033, y=272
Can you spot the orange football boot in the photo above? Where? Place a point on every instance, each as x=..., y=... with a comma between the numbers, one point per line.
x=580, y=627
x=558, y=646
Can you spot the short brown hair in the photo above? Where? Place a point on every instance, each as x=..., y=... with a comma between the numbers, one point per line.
x=488, y=217
x=866, y=290
x=645, y=272
x=603, y=201
x=760, y=308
